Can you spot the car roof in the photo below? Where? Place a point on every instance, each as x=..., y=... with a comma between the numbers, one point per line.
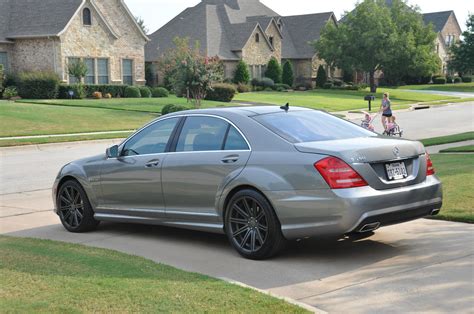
x=243, y=111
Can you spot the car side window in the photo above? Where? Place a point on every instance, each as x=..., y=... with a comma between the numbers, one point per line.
x=201, y=134
x=235, y=141
x=151, y=140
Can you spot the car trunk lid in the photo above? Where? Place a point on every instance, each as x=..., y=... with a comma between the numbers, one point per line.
x=369, y=156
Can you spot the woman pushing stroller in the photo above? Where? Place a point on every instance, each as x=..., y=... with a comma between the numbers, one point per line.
x=391, y=128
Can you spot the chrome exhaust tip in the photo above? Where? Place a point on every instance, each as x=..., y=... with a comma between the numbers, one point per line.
x=435, y=212
x=370, y=227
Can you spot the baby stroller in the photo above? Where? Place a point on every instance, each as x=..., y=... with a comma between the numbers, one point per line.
x=393, y=129
x=367, y=123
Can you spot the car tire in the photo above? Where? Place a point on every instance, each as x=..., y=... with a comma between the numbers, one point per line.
x=74, y=209
x=252, y=226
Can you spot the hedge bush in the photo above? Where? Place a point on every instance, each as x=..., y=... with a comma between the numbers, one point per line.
x=38, y=85
x=274, y=70
x=288, y=76
x=172, y=108
x=457, y=80
x=160, y=92
x=328, y=85
x=467, y=79
x=78, y=89
x=116, y=91
x=243, y=88
x=145, y=92
x=222, y=92
x=439, y=80
x=242, y=74
x=282, y=87
x=267, y=82
x=10, y=92
x=321, y=77
x=132, y=92
x=449, y=79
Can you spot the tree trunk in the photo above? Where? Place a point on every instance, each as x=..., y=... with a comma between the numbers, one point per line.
x=373, y=87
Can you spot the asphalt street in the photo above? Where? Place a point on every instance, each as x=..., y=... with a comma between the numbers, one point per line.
x=421, y=266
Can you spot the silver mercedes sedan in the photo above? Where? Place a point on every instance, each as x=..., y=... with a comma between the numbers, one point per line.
x=261, y=175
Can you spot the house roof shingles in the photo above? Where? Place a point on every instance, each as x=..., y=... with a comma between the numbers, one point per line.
x=438, y=19
x=223, y=27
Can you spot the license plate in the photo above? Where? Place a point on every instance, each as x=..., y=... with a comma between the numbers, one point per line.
x=396, y=171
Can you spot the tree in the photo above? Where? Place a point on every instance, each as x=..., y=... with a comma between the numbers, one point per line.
x=189, y=71
x=141, y=23
x=274, y=70
x=391, y=38
x=288, y=76
x=77, y=69
x=241, y=74
x=321, y=77
x=462, y=55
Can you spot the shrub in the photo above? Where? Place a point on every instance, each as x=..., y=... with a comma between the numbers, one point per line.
x=241, y=74
x=145, y=92
x=457, y=80
x=268, y=89
x=79, y=91
x=132, y=92
x=38, y=85
x=172, y=108
x=77, y=69
x=328, y=85
x=243, y=88
x=288, y=76
x=303, y=83
x=10, y=92
x=108, y=96
x=116, y=91
x=439, y=80
x=97, y=95
x=449, y=79
x=282, y=87
x=221, y=92
x=267, y=82
x=337, y=82
x=467, y=79
x=347, y=76
x=274, y=70
x=256, y=82
x=160, y=92
x=321, y=77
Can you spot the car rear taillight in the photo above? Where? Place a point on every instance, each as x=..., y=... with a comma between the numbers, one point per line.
x=429, y=166
x=338, y=174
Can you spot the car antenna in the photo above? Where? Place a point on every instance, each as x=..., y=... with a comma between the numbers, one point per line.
x=285, y=107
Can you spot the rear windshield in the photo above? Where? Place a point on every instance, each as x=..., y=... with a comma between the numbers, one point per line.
x=311, y=126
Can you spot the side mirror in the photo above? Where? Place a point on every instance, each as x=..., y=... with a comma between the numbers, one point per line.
x=112, y=152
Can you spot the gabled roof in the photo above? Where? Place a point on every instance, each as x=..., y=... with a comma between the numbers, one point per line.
x=303, y=29
x=438, y=19
x=223, y=27
x=43, y=18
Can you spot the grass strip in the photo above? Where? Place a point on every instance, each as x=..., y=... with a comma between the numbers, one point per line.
x=448, y=139
x=462, y=149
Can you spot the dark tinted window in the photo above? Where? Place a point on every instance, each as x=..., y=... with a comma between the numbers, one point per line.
x=86, y=16
x=151, y=140
x=235, y=141
x=310, y=126
x=202, y=134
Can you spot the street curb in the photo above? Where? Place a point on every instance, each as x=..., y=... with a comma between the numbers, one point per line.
x=286, y=299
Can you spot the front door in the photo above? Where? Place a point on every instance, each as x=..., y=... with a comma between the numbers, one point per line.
x=131, y=183
x=208, y=154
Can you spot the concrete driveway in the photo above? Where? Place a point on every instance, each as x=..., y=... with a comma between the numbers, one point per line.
x=421, y=266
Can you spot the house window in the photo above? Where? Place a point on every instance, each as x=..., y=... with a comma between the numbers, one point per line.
x=86, y=17
x=90, y=76
x=4, y=60
x=437, y=48
x=127, y=69
x=271, y=40
x=73, y=79
x=103, y=71
x=257, y=37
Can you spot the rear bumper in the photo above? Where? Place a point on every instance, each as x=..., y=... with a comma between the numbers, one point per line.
x=305, y=214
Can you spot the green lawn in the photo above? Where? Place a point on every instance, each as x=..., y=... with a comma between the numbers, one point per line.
x=52, y=277
x=460, y=87
x=18, y=119
x=62, y=139
x=448, y=139
x=463, y=149
x=457, y=174
x=336, y=100
x=154, y=105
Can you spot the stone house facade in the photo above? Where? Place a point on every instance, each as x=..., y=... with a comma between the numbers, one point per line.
x=50, y=34
x=449, y=33
x=245, y=30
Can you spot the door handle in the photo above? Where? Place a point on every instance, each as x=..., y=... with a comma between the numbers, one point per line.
x=152, y=164
x=230, y=159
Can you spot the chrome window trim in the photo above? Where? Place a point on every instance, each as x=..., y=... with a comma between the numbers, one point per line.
x=121, y=146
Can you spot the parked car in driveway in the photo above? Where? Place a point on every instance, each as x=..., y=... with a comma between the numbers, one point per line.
x=261, y=175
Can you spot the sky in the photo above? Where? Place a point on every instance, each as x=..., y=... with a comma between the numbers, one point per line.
x=156, y=13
